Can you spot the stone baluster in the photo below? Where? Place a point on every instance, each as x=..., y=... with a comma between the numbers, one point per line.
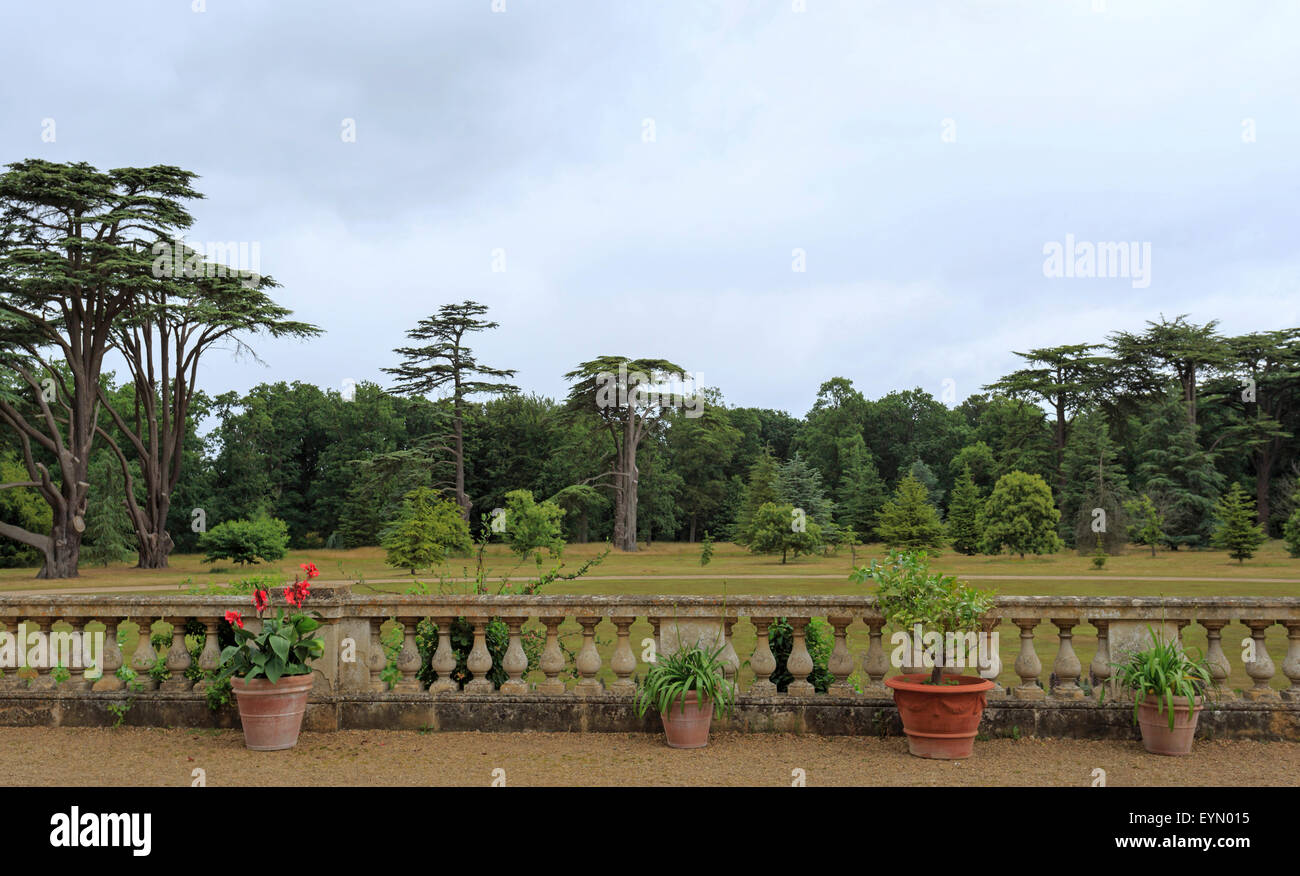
x=841, y=661
x=408, y=659
x=479, y=662
x=43, y=656
x=800, y=664
x=1220, y=669
x=1261, y=669
x=763, y=661
x=1067, y=666
x=178, y=658
x=515, y=661
x=377, y=655
x=1291, y=665
x=875, y=665
x=210, y=656
x=444, y=660
x=588, y=660
x=727, y=657
x=1028, y=666
x=989, y=655
x=1100, y=667
x=552, y=661
x=624, y=660
x=144, y=657
x=78, y=679
x=111, y=661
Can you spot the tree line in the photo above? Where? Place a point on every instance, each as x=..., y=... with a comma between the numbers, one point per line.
x=1152, y=428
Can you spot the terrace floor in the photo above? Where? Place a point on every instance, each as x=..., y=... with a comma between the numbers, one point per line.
x=129, y=756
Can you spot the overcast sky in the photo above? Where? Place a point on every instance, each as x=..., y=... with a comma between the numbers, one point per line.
x=651, y=172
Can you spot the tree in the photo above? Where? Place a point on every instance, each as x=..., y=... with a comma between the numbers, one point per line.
x=1236, y=531
x=801, y=485
x=23, y=508
x=923, y=473
x=1066, y=378
x=532, y=526
x=1020, y=516
x=261, y=538
x=109, y=533
x=762, y=488
x=1147, y=526
x=978, y=457
x=578, y=501
x=74, y=256
x=624, y=397
x=162, y=334
x=908, y=520
x=444, y=360
x=1291, y=532
x=966, y=515
x=1175, y=349
x=425, y=530
x=1094, y=479
x=780, y=529
x=1178, y=475
x=861, y=491
x=702, y=448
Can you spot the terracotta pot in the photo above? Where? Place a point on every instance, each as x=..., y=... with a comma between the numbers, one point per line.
x=940, y=720
x=272, y=713
x=687, y=724
x=1157, y=738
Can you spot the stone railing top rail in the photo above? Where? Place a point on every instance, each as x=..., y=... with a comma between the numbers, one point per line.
x=342, y=602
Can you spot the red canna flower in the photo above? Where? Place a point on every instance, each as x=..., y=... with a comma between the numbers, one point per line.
x=310, y=569
x=235, y=619
x=261, y=599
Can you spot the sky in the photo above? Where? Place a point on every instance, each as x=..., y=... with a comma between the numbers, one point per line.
x=768, y=194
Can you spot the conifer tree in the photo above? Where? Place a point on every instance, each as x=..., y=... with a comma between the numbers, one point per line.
x=966, y=515
x=1236, y=530
x=908, y=520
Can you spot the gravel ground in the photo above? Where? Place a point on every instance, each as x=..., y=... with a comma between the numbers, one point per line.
x=142, y=756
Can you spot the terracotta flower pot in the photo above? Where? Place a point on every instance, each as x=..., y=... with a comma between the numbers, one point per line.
x=687, y=724
x=1157, y=738
x=272, y=713
x=940, y=720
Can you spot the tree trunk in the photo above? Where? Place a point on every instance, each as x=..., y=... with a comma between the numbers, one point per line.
x=630, y=484
x=1264, y=458
x=62, y=552
x=582, y=528
x=692, y=529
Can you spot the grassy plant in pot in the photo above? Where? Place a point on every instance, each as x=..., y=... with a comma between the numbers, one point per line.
x=941, y=710
x=687, y=687
x=1169, y=689
x=268, y=670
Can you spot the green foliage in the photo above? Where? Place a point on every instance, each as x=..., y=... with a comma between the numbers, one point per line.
x=800, y=485
x=1021, y=517
x=819, y=637
x=285, y=645
x=908, y=520
x=966, y=515
x=1291, y=532
x=426, y=529
x=1166, y=672
x=672, y=676
x=706, y=549
x=762, y=488
x=23, y=507
x=861, y=492
x=778, y=529
x=1236, y=531
x=532, y=526
x=261, y=538
x=1147, y=523
x=908, y=594
x=1178, y=475
x=109, y=535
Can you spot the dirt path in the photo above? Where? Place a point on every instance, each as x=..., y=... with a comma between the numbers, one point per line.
x=142, y=756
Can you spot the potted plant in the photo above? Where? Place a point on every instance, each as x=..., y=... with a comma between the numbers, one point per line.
x=268, y=670
x=1169, y=689
x=941, y=711
x=687, y=687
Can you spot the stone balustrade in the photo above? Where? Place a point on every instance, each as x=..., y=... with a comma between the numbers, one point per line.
x=1042, y=664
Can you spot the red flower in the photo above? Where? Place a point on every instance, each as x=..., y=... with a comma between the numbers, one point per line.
x=310, y=569
x=235, y=619
x=261, y=599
